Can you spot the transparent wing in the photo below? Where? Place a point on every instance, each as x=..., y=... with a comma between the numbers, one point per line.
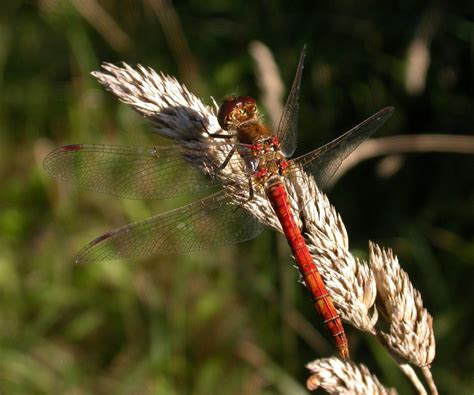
x=323, y=162
x=287, y=127
x=130, y=172
x=203, y=224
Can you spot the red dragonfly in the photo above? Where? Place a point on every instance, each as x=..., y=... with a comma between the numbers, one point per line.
x=164, y=171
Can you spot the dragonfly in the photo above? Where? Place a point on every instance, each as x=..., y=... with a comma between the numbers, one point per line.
x=166, y=171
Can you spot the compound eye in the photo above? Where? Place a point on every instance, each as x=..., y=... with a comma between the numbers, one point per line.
x=226, y=111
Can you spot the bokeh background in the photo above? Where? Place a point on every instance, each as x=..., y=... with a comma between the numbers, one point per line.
x=233, y=320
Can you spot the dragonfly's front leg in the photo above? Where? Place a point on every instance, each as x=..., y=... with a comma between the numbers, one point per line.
x=221, y=136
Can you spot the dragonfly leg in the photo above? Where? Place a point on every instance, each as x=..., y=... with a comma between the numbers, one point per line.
x=227, y=159
x=250, y=198
x=221, y=136
x=251, y=192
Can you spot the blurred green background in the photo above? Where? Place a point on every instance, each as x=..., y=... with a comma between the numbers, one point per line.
x=232, y=320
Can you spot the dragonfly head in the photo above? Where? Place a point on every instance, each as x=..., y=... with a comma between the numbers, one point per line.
x=236, y=110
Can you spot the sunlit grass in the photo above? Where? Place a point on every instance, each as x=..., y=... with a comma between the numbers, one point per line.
x=183, y=325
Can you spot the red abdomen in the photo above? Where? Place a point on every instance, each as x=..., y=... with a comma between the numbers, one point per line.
x=322, y=300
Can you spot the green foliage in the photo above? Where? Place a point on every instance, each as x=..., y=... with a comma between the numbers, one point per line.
x=218, y=321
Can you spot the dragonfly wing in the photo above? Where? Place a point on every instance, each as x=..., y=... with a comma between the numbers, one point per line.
x=287, y=127
x=323, y=162
x=203, y=224
x=130, y=172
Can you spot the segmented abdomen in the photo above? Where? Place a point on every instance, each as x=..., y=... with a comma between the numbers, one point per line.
x=322, y=300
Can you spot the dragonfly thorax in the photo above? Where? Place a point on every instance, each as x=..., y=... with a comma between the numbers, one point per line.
x=271, y=163
x=251, y=132
x=240, y=115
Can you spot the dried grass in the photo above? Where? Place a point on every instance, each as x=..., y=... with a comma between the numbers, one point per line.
x=360, y=290
x=344, y=377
